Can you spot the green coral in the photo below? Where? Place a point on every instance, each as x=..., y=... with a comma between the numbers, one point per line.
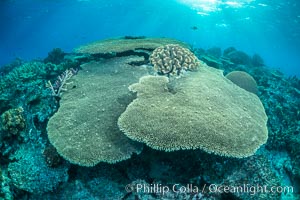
x=84, y=130
x=203, y=110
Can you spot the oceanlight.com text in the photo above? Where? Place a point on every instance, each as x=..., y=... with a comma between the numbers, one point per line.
x=207, y=188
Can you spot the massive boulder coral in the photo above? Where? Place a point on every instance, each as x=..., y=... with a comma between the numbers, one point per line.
x=243, y=80
x=173, y=59
x=202, y=110
x=84, y=130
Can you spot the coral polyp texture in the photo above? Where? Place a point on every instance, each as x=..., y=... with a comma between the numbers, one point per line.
x=204, y=110
x=118, y=45
x=173, y=59
x=84, y=130
x=243, y=80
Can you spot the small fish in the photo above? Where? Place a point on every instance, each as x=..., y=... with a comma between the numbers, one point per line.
x=194, y=28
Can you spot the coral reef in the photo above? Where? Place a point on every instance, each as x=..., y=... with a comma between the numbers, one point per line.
x=211, y=61
x=32, y=169
x=243, y=80
x=280, y=97
x=205, y=110
x=84, y=130
x=5, y=186
x=103, y=181
x=26, y=82
x=52, y=158
x=26, y=72
x=232, y=58
x=172, y=59
x=9, y=67
x=254, y=172
x=56, y=56
x=293, y=147
x=239, y=57
x=257, y=61
x=29, y=171
x=228, y=51
x=215, y=52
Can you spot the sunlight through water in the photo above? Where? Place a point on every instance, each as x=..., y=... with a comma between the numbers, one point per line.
x=204, y=7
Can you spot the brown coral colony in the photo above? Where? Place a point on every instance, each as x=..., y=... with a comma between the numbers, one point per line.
x=13, y=121
x=172, y=59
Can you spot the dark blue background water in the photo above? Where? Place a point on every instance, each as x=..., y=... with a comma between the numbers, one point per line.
x=31, y=28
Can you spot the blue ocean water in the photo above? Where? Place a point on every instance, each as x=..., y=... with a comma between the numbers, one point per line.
x=31, y=28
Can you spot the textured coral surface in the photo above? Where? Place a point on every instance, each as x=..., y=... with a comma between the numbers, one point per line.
x=84, y=130
x=118, y=45
x=204, y=110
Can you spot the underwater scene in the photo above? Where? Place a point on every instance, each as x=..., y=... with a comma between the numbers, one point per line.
x=149, y=99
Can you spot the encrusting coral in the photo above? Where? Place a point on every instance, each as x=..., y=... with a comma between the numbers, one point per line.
x=204, y=110
x=243, y=80
x=173, y=59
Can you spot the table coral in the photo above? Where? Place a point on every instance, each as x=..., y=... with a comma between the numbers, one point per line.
x=204, y=111
x=84, y=130
x=119, y=45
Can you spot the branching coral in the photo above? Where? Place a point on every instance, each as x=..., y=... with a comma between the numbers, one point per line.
x=62, y=81
x=172, y=59
x=26, y=72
